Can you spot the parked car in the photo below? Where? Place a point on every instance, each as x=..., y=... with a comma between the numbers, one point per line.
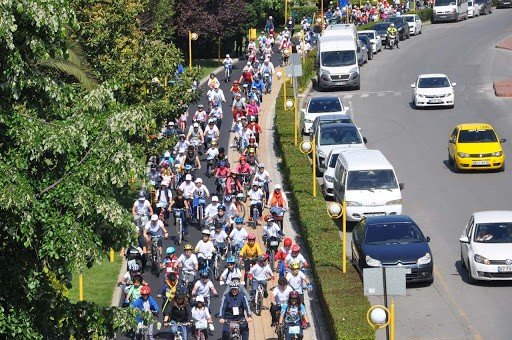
x=362, y=53
x=473, y=10
x=328, y=177
x=375, y=39
x=484, y=6
x=329, y=118
x=322, y=105
x=401, y=25
x=392, y=241
x=504, y=3
x=433, y=89
x=486, y=246
x=382, y=28
x=414, y=22
x=366, y=41
x=333, y=135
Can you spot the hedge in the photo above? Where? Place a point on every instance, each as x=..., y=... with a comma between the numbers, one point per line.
x=341, y=295
x=425, y=14
x=299, y=12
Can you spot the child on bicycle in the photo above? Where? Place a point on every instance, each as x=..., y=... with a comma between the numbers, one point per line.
x=203, y=287
x=260, y=273
x=220, y=239
x=256, y=197
x=238, y=236
x=204, y=248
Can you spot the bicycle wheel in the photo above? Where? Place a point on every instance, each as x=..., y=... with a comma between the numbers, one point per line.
x=199, y=216
x=179, y=229
x=258, y=302
x=271, y=259
x=216, y=271
x=255, y=217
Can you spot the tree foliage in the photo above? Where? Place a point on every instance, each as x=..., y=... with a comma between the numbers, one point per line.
x=67, y=154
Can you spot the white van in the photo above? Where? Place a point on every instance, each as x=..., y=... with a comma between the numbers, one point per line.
x=336, y=63
x=449, y=10
x=340, y=30
x=367, y=182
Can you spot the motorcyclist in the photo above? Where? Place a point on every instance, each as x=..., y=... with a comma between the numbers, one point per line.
x=392, y=31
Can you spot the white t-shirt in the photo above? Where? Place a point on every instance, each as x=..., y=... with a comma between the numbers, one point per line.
x=201, y=191
x=261, y=273
x=187, y=188
x=203, y=289
x=281, y=296
x=142, y=208
x=188, y=263
x=255, y=196
x=212, y=153
x=206, y=248
x=262, y=177
x=238, y=235
x=200, y=314
x=298, y=259
x=227, y=275
x=154, y=227
x=211, y=209
x=219, y=237
x=271, y=231
x=211, y=132
x=296, y=281
x=231, y=210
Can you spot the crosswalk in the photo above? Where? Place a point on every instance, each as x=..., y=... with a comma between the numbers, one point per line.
x=396, y=93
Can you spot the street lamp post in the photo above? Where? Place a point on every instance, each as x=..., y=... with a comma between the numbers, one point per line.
x=335, y=211
x=380, y=317
x=191, y=36
x=307, y=147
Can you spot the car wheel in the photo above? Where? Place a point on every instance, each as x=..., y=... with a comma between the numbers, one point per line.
x=450, y=160
x=462, y=263
x=471, y=280
x=319, y=85
x=456, y=168
x=358, y=86
x=502, y=169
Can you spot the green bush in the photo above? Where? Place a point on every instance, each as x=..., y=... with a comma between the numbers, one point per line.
x=341, y=295
x=425, y=14
x=299, y=12
x=368, y=26
x=495, y=3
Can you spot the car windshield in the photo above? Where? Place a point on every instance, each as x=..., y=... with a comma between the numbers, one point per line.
x=382, y=27
x=477, y=136
x=444, y=2
x=433, y=82
x=398, y=232
x=334, y=158
x=339, y=135
x=493, y=233
x=318, y=105
x=338, y=58
x=371, y=180
x=366, y=34
x=364, y=39
x=409, y=18
x=395, y=20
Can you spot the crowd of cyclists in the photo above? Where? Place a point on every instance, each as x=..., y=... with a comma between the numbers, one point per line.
x=228, y=216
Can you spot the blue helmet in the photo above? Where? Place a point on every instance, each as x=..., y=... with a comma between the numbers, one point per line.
x=239, y=220
x=228, y=199
x=204, y=274
x=231, y=259
x=170, y=250
x=188, y=167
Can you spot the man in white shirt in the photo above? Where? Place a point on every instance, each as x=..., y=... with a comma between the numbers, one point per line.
x=187, y=187
x=278, y=297
x=155, y=227
x=211, y=209
x=255, y=195
x=141, y=209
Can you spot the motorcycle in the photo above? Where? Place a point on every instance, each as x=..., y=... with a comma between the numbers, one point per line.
x=391, y=40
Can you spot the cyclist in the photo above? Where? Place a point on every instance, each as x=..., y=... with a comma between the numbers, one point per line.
x=297, y=280
x=182, y=143
x=204, y=249
x=191, y=158
x=180, y=206
x=201, y=314
x=203, y=287
x=233, y=184
x=267, y=68
x=278, y=203
x=261, y=40
x=252, y=145
x=155, y=227
x=244, y=169
x=231, y=209
x=245, y=134
x=238, y=107
x=133, y=292
x=253, y=110
x=235, y=307
x=263, y=178
x=195, y=135
x=163, y=198
x=187, y=263
x=230, y=272
x=210, y=132
x=271, y=229
x=238, y=235
x=295, y=256
x=199, y=193
x=293, y=313
x=141, y=209
x=212, y=81
x=177, y=315
x=211, y=209
x=279, y=297
x=219, y=237
x=255, y=128
x=219, y=219
x=216, y=114
x=249, y=253
x=259, y=274
x=256, y=197
x=221, y=175
x=228, y=65
x=187, y=186
x=252, y=157
x=235, y=88
x=169, y=264
x=145, y=303
x=169, y=288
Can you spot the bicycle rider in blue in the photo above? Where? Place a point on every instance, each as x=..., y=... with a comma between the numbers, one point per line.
x=234, y=306
x=145, y=303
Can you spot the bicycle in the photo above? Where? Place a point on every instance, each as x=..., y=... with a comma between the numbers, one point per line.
x=272, y=243
x=235, y=332
x=208, y=263
x=258, y=298
x=210, y=166
x=198, y=204
x=155, y=255
x=179, y=224
x=227, y=72
x=200, y=328
x=180, y=329
x=222, y=250
x=255, y=214
x=267, y=82
x=239, y=197
x=144, y=331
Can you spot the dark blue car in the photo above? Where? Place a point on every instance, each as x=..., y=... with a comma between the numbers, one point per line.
x=392, y=241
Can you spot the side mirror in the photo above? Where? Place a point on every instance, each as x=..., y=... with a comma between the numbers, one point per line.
x=428, y=238
x=365, y=140
x=453, y=84
x=503, y=140
x=413, y=86
x=401, y=186
x=463, y=239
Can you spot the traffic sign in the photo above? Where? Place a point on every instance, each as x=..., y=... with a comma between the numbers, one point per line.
x=294, y=70
x=295, y=59
x=395, y=281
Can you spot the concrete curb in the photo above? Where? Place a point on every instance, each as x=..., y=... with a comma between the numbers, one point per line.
x=116, y=296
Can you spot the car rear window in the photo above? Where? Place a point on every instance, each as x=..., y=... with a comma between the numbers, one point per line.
x=324, y=105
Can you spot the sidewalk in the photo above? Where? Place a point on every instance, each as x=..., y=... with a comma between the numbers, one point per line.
x=260, y=326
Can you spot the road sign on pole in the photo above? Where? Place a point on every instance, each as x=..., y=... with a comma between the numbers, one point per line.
x=294, y=59
x=373, y=281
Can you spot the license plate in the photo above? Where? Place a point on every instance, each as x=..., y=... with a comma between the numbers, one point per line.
x=294, y=330
x=435, y=101
x=481, y=163
x=505, y=269
x=340, y=82
x=274, y=243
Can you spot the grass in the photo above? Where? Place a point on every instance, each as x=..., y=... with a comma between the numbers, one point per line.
x=99, y=282
x=206, y=66
x=341, y=295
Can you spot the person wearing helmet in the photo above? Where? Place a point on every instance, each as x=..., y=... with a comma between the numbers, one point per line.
x=252, y=156
x=145, y=303
x=260, y=273
x=278, y=297
x=278, y=204
x=211, y=155
x=179, y=206
x=211, y=132
x=231, y=211
x=293, y=313
x=188, y=265
x=297, y=279
x=244, y=169
x=169, y=287
x=251, y=147
x=296, y=256
x=177, y=315
x=199, y=195
x=220, y=219
x=286, y=249
x=170, y=130
x=141, y=210
x=203, y=287
x=221, y=174
x=235, y=89
x=211, y=209
x=238, y=106
x=392, y=32
x=249, y=253
x=233, y=184
x=255, y=128
x=262, y=176
x=228, y=68
x=237, y=236
x=204, y=249
x=163, y=199
x=230, y=271
x=234, y=306
x=201, y=318
x=271, y=233
x=195, y=134
x=182, y=143
x=255, y=195
x=156, y=228
x=220, y=238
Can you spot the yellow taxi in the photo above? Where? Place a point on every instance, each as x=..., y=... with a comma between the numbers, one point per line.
x=475, y=146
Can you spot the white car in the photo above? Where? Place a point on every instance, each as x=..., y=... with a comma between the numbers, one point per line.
x=328, y=185
x=414, y=22
x=320, y=106
x=375, y=39
x=433, y=89
x=473, y=9
x=486, y=246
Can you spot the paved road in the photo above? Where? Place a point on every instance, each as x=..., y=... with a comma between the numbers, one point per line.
x=439, y=200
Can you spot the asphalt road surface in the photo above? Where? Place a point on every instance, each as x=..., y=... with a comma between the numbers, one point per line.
x=439, y=200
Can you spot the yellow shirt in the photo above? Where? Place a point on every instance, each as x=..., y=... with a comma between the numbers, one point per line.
x=250, y=252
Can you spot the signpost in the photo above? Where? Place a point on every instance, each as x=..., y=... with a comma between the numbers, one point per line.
x=294, y=70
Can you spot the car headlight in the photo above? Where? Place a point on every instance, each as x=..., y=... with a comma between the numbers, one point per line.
x=426, y=259
x=462, y=154
x=420, y=95
x=497, y=154
x=481, y=259
x=372, y=262
x=329, y=179
x=394, y=202
x=324, y=71
x=353, y=204
x=354, y=70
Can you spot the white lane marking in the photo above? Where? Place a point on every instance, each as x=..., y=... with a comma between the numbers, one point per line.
x=381, y=94
x=364, y=95
x=347, y=96
x=397, y=93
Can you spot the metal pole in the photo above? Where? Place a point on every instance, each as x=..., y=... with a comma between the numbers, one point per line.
x=189, y=49
x=322, y=14
x=218, y=51
x=284, y=88
x=112, y=255
x=344, y=231
x=295, y=104
x=313, y=153
x=392, y=320
x=80, y=287
x=385, y=297
x=285, y=13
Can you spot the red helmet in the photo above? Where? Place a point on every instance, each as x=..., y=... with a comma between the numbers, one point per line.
x=235, y=82
x=145, y=290
x=243, y=159
x=252, y=139
x=268, y=218
x=295, y=248
x=251, y=237
x=288, y=242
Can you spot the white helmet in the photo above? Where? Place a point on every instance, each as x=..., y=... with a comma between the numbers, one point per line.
x=227, y=55
x=392, y=25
